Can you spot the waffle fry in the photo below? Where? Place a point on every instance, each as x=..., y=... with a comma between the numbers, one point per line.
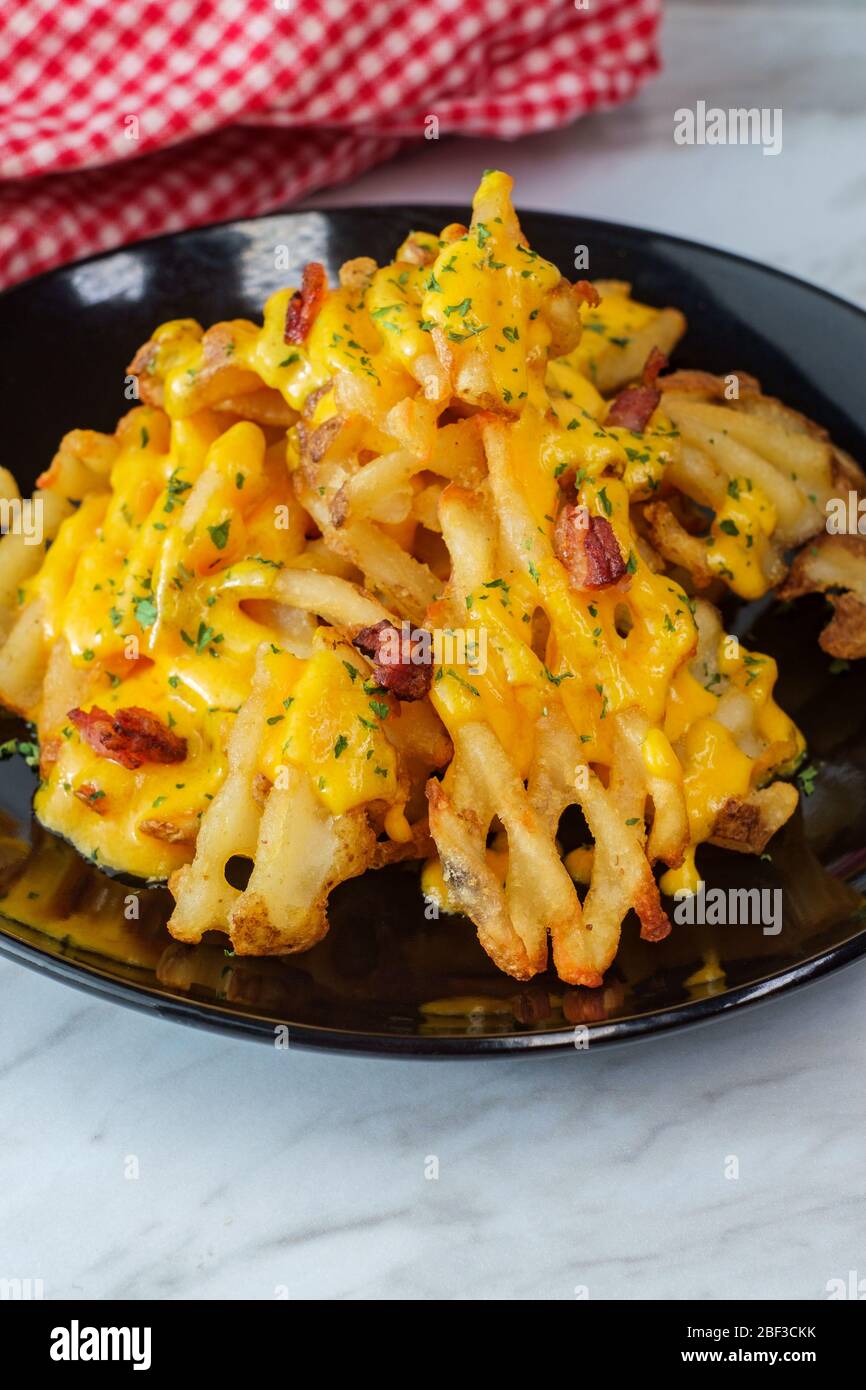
x=619, y=335
x=835, y=565
x=298, y=849
x=401, y=573
x=763, y=470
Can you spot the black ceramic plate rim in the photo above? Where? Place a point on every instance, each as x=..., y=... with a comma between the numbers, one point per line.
x=97, y=980
x=93, y=979
x=620, y=228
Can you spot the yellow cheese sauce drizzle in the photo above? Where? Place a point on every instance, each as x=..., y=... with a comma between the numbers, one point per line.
x=161, y=584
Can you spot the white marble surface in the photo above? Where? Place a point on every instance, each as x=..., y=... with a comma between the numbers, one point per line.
x=263, y=1172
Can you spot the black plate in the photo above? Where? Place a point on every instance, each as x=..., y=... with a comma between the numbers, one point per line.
x=364, y=987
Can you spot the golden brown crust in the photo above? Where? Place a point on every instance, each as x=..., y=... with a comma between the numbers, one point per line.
x=670, y=538
x=695, y=383
x=748, y=824
x=835, y=562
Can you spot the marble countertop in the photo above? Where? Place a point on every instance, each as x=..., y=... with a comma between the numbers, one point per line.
x=142, y=1159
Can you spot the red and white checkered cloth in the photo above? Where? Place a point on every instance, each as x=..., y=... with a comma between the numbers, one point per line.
x=121, y=119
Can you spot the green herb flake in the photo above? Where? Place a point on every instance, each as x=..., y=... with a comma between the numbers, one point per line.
x=220, y=534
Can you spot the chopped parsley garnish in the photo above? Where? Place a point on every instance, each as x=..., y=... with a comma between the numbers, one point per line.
x=175, y=489
x=220, y=534
x=203, y=637
x=557, y=680
x=462, y=681
x=145, y=611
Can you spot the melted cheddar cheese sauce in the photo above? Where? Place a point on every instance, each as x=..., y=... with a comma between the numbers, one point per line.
x=739, y=541
x=163, y=583
x=613, y=323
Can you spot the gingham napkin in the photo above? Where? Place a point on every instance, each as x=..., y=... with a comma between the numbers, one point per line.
x=121, y=119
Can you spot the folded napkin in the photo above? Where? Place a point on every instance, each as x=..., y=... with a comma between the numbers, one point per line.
x=123, y=119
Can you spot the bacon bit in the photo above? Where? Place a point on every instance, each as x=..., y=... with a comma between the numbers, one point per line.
x=633, y=407
x=92, y=797
x=655, y=363
x=586, y=291
x=49, y=752
x=305, y=303
x=131, y=737
x=410, y=677
x=588, y=547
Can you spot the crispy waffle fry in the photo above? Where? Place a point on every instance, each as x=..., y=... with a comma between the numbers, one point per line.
x=763, y=470
x=619, y=335
x=396, y=575
x=835, y=565
x=299, y=849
